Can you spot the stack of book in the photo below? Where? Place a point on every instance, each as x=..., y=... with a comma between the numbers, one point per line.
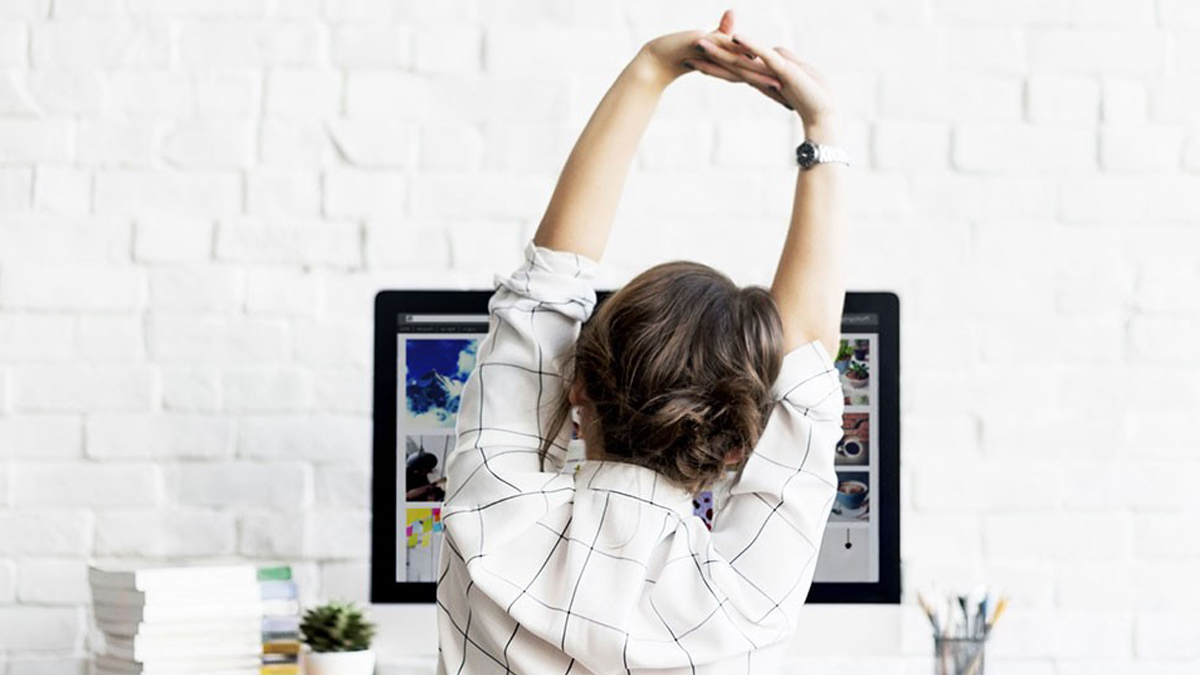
x=280, y=621
x=178, y=620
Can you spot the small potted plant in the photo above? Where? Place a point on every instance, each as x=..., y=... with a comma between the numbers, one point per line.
x=858, y=374
x=339, y=640
x=860, y=349
x=843, y=357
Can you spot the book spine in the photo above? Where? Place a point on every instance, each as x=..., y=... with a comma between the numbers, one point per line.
x=275, y=573
x=173, y=577
x=279, y=590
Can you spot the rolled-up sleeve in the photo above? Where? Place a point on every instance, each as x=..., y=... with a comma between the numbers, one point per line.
x=534, y=317
x=778, y=507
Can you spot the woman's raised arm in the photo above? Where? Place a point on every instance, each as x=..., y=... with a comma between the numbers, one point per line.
x=585, y=199
x=580, y=213
x=809, y=284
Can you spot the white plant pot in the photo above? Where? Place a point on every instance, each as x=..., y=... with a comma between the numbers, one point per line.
x=339, y=663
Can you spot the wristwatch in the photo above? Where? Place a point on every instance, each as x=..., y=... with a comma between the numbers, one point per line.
x=809, y=154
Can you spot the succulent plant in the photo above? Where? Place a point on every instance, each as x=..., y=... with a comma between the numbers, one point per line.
x=845, y=351
x=336, y=626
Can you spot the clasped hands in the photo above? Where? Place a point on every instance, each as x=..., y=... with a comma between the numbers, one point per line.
x=776, y=72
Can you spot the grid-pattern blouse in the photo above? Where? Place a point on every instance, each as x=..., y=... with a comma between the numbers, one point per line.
x=607, y=570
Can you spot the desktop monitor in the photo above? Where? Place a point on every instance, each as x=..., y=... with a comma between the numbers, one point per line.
x=425, y=343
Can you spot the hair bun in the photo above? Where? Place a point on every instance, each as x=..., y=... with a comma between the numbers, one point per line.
x=732, y=391
x=677, y=364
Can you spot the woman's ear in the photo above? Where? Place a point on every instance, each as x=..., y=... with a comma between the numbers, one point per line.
x=575, y=394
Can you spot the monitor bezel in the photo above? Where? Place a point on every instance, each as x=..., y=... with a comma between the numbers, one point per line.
x=385, y=589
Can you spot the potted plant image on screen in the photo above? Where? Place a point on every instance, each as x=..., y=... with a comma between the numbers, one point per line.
x=855, y=371
x=862, y=347
x=858, y=374
x=842, y=360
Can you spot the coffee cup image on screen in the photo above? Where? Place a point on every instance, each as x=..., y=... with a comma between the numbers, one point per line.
x=854, y=447
x=425, y=467
x=435, y=372
x=853, y=498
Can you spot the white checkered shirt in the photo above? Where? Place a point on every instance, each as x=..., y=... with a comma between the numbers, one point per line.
x=607, y=570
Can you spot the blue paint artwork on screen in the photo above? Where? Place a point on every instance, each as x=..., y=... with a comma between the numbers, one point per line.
x=436, y=373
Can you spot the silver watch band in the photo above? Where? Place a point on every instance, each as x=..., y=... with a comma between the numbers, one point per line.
x=832, y=153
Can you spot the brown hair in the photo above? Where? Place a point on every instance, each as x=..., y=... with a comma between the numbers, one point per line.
x=678, y=364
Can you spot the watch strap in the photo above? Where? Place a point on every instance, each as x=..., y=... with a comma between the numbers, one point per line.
x=832, y=153
x=822, y=154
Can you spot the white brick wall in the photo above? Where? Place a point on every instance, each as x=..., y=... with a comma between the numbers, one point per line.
x=199, y=199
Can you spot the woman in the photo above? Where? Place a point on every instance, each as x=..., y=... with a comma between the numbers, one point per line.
x=680, y=378
x=419, y=466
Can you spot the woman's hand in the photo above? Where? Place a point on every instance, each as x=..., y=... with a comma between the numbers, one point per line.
x=669, y=56
x=776, y=72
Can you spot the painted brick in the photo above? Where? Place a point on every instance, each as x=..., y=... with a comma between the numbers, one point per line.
x=35, y=140
x=54, y=531
x=149, y=534
x=133, y=436
x=76, y=484
x=53, y=581
x=1112, y=51
x=149, y=193
x=303, y=92
x=1022, y=148
x=318, y=438
x=372, y=44
x=79, y=287
x=1062, y=98
x=1141, y=148
x=42, y=629
x=92, y=388
x=173, y=239
x=284, y=486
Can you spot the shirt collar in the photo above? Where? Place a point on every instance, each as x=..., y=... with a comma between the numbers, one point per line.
x=635, y=481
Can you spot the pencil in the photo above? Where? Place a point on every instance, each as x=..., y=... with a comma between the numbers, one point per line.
x=999, y=610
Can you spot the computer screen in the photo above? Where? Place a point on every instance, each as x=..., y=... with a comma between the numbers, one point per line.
x=426, y=343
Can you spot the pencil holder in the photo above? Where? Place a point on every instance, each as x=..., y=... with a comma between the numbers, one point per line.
x=958, y=655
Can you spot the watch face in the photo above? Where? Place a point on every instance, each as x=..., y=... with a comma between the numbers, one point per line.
x=806, y=154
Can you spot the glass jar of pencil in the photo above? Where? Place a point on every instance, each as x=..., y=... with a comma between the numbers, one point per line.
x=962, y=623
x=958, y=655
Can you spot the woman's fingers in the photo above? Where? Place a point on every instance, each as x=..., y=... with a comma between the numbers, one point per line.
x=757, y=79
x=716, y=70
x=807, y=69
x=735, y=73
x=770, y=57
x=722, y=50
x=726, y=24
x=787, y=53
x=709, y=68
x=735, y=64
x=721, y=56
x=775, y=95
x=726, y=41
